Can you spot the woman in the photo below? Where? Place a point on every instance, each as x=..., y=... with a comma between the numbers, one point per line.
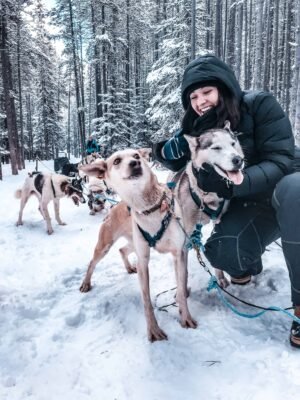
x=264, y=207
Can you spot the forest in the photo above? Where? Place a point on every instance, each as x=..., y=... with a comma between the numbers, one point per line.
x=69, y=68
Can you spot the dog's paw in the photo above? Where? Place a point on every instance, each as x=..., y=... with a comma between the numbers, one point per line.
x=85, y=287
x=18, y=223
x=62, y=223
x=188, y=322
x=155, y=333
x=131, y=269
x=50, y=231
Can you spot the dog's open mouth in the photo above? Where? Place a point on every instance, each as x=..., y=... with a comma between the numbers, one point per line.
x=235, y=176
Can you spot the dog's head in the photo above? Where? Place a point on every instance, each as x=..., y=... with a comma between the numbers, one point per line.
x=123, y=170
x=220, y=148
x=97, y=194
x=74, y=190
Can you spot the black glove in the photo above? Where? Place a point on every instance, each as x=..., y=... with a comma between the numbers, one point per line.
x=203, y=123
x=210, y=181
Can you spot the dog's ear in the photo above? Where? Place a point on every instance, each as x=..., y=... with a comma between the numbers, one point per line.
x=145, y=153
x=95, y=169
x=192, y=141
x=227, y=126
x=200, y=142
x=65, y=186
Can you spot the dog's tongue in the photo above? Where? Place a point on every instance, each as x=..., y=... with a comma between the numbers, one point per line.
x=236, y=177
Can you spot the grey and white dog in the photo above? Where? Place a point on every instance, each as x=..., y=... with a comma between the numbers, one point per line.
x=221, y=149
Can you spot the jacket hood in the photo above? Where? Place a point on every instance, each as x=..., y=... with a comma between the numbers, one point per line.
x=209, y=68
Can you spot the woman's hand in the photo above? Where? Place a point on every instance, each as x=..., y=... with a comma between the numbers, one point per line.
x=210, y=181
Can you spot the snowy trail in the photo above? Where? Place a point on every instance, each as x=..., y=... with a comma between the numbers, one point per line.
x=59, y=344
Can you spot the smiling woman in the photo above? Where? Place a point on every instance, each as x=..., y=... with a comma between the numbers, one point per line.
x=261, y=202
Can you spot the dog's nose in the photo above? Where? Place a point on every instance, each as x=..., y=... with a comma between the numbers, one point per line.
x=134, y=163
x=237, y=161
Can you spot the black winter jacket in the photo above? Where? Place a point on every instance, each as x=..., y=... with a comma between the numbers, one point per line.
x=266, y=135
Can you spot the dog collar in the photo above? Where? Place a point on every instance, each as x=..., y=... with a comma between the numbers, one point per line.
x=156, y=206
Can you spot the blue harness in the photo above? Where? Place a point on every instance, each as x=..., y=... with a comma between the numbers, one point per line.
x=152, y=240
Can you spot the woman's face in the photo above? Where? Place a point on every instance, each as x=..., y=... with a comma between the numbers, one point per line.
x=203, y=99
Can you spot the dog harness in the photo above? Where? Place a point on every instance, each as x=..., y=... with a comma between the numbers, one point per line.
x=152, y=240
x=212, y=214
x=53, y=189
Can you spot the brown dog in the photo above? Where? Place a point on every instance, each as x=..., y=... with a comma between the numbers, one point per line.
x=152, y=209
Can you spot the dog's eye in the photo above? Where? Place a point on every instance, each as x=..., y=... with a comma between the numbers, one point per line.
x=136, y=156
x=216, y=148
x=117, y=161
x=233, y=144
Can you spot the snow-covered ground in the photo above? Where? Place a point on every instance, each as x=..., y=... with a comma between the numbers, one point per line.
x=59, y=344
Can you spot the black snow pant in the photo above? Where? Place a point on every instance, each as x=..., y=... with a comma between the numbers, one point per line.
x=239, y=240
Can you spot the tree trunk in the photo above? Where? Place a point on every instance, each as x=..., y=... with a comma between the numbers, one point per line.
x=29, y=127
x=193, y=30
x=275, y=48
x=97, y=72
x=297, y=79
x=266, y=76
x=8, y=94
x=239, y=36
x=22, y=144
x=230, y=40
x=258, y=45
x=218, y=30
x=80, y=110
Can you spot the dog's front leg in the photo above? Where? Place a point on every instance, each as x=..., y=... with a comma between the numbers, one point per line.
x=56, y=210
x=45, y=212
x=180, y=261
x=154, y=331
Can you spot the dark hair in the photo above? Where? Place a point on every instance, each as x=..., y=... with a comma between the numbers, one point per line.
x=226, y=109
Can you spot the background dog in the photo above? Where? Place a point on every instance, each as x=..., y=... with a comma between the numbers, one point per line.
x=96, y=195
x=152, y=216
x=47, y=187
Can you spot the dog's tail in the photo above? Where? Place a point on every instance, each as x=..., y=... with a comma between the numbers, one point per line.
x=18, y=193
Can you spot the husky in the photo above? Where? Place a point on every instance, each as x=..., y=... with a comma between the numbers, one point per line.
x=153, y=222
x=47, y=187
x=221, y=149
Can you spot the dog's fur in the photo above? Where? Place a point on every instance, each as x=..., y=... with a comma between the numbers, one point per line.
x=47, y=187
x=130, y=176
x=96, y=195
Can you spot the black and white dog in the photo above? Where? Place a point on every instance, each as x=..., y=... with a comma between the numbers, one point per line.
x=47, y=187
